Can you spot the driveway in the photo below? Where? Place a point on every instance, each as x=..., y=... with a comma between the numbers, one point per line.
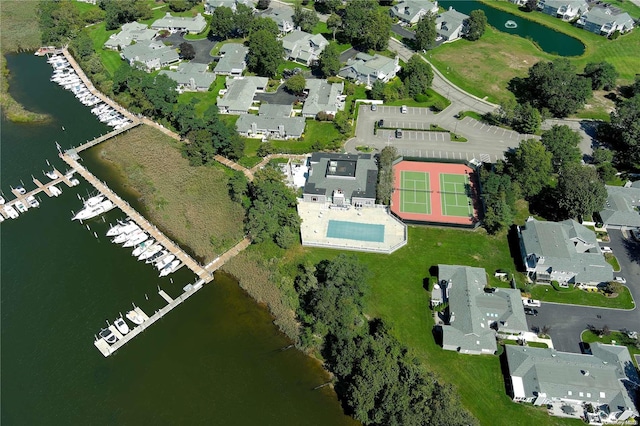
x=348, y=54
x=202, y=47
x=403, y=32
x=279, y=97
x=568, y=321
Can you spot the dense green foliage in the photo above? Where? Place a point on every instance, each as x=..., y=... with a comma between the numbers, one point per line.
x=334, y=23
x=182, y=5
x=426, y=32
x=59, y=21
x=624, y=134
x=553, y=85
x=222, y=22
x=296, y=84
x=580, y=191
x=529, y=166
x=186, y=51
x=366, y=25
x=562, y=143
x=304, y=18
x=265, y=53
x=120, y=12
x=477, y=25
x=526, y=119
x=603, y=75
x=386, y=177
x=82, y=49
x=499, y=198
x=262, y=23
x=263, y=4
x=417, y=76
x=272, y=215
x=329, y=61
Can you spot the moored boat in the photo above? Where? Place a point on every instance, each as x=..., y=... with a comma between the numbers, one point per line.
x=134, y=317
x=155, y=257
x=11, y=212
x=142, y=247
x=51, y=174
x=140, y=238
x=21, y=207
x=32, y=201
x=121, y=325
x=150, y=252
x=21, y=190
x=108, y=336
x=91, y=212
x=55, y=191
x=165, y=261
x=169, y=268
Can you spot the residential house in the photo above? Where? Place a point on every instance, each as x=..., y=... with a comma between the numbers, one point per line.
x=272, y=122
x=131, y=32
x=604, y=22
x=622, y=209
x=341, y=179
x=233, y=59
x=566, y=252
x=191, y=77
x=211, y=5
x=451, y=24
x=410, y=11
x=175, y=24
x=150, y=56
x=606, y=380
x=281, y=15
x=564, y=9
x=323, y=96
x=367, y=69
x=475, y=314
x=238, y=97
x=303, y=47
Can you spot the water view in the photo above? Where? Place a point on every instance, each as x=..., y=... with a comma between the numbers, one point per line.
x=216, y=359
x=549, y=40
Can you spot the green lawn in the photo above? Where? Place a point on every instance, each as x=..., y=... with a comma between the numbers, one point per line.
x=589, y=336
x=434, y=99
x=289, y=65
x=613, y=261
x=110, y=58
x=576, y=296
x=398, y=296
x=317, y=136
x=204, y=99
x=250, y=157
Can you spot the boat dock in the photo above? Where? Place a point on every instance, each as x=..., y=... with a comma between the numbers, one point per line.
x=40, y=187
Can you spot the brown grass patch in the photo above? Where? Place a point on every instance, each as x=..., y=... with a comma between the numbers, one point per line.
x=191, y=204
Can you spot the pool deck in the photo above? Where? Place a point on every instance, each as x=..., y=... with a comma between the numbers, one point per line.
x=315, y=222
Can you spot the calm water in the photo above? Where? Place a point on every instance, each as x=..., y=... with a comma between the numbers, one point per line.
x=549, y=40
x=216, y=359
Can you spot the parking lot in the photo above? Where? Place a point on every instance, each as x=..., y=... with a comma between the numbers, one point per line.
x=412, y=135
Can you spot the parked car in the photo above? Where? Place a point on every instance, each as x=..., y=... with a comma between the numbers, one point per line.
x=374, y=107
x=530, y=311
x=403, y=109
x=380, y=123
x=606, y=249
x=398, y=133
x=620, y=280
x=531, y=302
x=635, y=233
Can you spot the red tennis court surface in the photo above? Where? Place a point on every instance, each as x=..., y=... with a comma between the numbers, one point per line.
x=409, y=193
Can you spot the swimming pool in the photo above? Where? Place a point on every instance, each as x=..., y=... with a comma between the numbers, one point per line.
x=355, y=231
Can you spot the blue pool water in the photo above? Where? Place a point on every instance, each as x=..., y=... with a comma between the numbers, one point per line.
x=355, y=231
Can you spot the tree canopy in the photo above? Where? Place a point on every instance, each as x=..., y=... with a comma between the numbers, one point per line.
x=304, y=18
x=334, y=23
x=329, y=60
x=526, y=119
x=562, y=143
x=265, y=53
x=499, y=200
x=477, y=25
x=366, y=25
x=603, y=75
x=296, y=84
x=426, y=32
x=580, y=191
x=187, y=51
x=625, y=130
x=553, y=85
x=417, y=76
x=262, y=23
x=222, y=22
x=121, y=12
x=386, y=177
x=530, y=166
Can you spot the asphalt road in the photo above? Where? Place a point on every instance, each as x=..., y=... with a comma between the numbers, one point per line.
x=567, y=322
x=202, y=47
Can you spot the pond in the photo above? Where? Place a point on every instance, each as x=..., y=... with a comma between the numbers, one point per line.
x=548, y=40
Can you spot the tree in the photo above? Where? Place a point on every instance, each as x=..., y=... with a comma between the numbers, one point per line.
x=179, y=5
x=477, y=25
x=580, y=192
x=562, y=143
x=262, y=23
x=531, y=5
x=365, y=25
x=222, y=22
x=625, y=130
x=265, y=53
x=334, y=23
x=530, y=166
x=377, y=90
x=120, y=12
x=304, y=18
x=296, y=84
x=386, y=177
x=553, y=85
x=426, y=32
x=242, y=20
x=603, y=75
x=606, y=171
x=329, y=60
x=499, y=200
x=613, y=287
x=418, y=76
x=526, y=119
x=263, y=4
x=187, y=51
x=58, y=21
x=341, y=122
x=602, y=155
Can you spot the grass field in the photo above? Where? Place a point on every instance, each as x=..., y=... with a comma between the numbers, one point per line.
x=191, y=203
x=317, y=136
x=109, y=58
x=576, y=296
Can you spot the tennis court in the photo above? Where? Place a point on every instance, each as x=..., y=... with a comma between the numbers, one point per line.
x=355, y=231
x=415, y=194
x=455, y=191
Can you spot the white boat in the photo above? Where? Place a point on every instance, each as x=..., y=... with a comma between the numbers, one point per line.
x=140, y=238
x=21, y=190
x=121, y=325
x=150, y=252
x=165, y=261
x=155, y=257
x=116, y=229
x=21, y=207
x=124, y=236
x=1, y=199
x=11, y=212
x=91, y=212
x=170, y=268
x=51, y=175
x=74, y=181
x=94, y=201
x=134, y=317
x=55, y=191
x=142, y=247
x=1, y=218
x=108, y=336
x=32, y=201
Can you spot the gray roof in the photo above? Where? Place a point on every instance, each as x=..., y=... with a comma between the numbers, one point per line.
x=292, y=126
x=231, y=4
x=622, y=207
x=557, y=4
x=194, y=24
x=132, y=31
x=240, y=92
x=363, y=65
x=232, y=58
x=566, y=247
x=600, y=16
x=449, y=21
x=355, y=175
x=601, y=378
x=302, y=46
x=148, y=53
x=193, y=75
x=473, y=310
x=275, y=110
x=280, y=14
x=408, y=9
x=323, y=96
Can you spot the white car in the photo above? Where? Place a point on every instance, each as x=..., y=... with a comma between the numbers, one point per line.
x=621, y=280
x=403, y=109
x=606, y=249
x=531, y=302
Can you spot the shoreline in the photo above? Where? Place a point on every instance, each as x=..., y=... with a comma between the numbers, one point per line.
x=11, y=108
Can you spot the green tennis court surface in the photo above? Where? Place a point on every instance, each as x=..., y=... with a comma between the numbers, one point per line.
x=355, y=231
x=455, y=195
x=415, y=192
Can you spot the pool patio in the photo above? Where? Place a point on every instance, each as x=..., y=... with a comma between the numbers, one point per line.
x=315, y=227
